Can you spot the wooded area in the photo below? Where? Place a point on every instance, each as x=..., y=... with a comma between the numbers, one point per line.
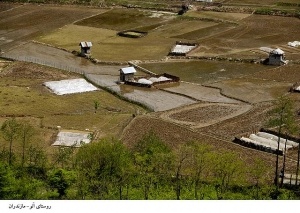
x=106, y=169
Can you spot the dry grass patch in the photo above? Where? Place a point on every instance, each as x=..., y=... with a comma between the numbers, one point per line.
x=70, y=36
x=121, y=19
x=253, y=90
x=253, y=32
x=24, y=95
x=206, y=32
x=107, y=46
x=217, y=15
x=179, y=26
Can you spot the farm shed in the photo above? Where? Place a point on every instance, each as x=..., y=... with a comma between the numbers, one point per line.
x=127, y=74
x=85, y=48
x=277, y=57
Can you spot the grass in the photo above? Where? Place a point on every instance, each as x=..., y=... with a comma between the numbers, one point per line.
x=205, y=71
x=120, y=19
x=26, y=97
x=205, y=32
x=218, y=16
x=107, y=46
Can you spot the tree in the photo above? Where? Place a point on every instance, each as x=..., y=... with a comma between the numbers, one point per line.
x=64, y=156
x=10, y=129
x=37, y=161
x=182, y=159
x=227, y=167
x=152, y=161
x=96, y=105
x=60, y=180
x=258, y=173
x=103, y=169
x=26, y=133
x=283, y=118
x=199, y=164
x=6, y=181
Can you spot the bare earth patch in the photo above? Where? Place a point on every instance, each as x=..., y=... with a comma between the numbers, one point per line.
x=201, y=93
x=204, y=114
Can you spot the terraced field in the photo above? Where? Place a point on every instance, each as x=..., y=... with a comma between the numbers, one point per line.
x=208, y=105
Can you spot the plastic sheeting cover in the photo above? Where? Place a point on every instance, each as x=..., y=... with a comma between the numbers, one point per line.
x=294, y=43
x=182, y=48
x=70, y=86
x=144, y=81
x=76, y=139
x=275, y=138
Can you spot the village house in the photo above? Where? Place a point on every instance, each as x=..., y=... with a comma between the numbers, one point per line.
x=127, y=73
x=277, y=57
x=85, y=48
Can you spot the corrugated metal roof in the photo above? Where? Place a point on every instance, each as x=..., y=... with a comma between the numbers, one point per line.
x=277, y=51
x=85, y=44
x=128, y=70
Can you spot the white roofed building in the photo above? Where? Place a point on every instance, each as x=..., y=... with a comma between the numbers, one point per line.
x=127, y=73
x=277, y=57
x=85, y=48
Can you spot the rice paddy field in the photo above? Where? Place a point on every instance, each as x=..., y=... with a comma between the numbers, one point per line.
x=205, y=72
x=226, y=83
x=23, y=95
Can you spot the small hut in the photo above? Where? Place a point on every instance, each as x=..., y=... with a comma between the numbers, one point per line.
x=277, y=57
x=85, y=48
x=127, y=73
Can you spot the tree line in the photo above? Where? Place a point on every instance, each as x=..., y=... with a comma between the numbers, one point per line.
x=107, y=169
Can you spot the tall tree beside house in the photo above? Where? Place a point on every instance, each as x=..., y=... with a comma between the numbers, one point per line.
x=10, y=131
x=283, y=118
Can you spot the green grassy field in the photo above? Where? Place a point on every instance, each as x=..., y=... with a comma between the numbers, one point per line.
x=120, y=19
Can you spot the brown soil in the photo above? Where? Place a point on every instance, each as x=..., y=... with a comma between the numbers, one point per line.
x=202, y=114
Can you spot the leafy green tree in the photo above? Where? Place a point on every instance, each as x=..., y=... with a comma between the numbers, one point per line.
x=182, y=159
x=283, y=117
x=60, y=180
x=96, y=105
x=152, y=160
x=258, y=174
x=37, y=162
x=199, y=164
x=63, y=157
x=6, y=181
x=103, y=169
x=10, y=129
x=227, y=168
x=26, y=133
